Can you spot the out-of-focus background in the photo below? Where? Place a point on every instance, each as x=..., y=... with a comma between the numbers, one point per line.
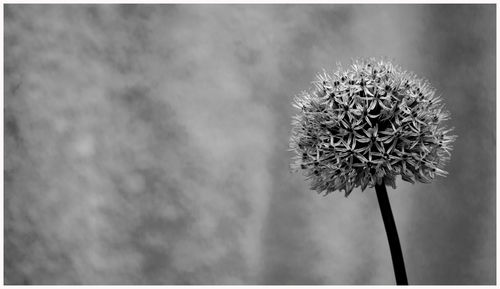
x=147, y=144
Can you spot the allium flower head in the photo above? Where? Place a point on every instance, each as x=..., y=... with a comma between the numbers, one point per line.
x=368, y=124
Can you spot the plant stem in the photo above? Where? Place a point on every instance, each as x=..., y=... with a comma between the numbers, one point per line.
x=392, y=235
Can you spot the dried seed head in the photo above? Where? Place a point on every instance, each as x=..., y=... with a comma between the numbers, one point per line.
x=367, y=124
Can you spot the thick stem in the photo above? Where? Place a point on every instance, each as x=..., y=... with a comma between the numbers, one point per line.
x=392, y=235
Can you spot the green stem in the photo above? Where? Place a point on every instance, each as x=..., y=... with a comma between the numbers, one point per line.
x=392, y=235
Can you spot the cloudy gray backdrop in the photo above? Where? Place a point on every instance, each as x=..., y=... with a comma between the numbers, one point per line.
x=148, y=145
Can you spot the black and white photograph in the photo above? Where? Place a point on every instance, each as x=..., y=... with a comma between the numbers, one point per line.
x=249, y=144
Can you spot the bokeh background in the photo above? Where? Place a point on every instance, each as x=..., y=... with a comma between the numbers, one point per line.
x=147, y=144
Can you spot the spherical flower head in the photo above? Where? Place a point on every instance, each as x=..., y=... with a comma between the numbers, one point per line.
x=366, y=125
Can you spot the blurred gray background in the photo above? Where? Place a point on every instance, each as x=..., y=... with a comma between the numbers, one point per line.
x=148, y=145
